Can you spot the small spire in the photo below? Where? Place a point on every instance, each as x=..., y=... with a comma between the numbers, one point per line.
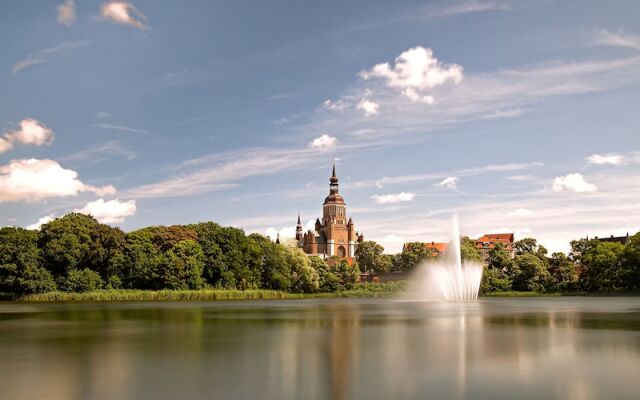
x=333, y=175
x=278, y=239
x=299, y=223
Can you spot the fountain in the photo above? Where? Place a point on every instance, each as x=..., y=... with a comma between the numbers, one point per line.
x=449, y=279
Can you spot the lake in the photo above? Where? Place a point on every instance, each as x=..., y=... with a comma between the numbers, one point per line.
x=496, y=348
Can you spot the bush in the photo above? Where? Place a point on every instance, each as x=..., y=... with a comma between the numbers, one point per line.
x=80, y=281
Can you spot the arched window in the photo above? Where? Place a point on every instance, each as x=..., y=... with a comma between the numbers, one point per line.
x=342, y=253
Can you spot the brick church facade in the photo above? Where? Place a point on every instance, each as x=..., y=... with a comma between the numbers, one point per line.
x=334, y=234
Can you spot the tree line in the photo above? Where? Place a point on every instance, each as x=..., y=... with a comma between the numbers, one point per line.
x=590, y=266
x=76, y=253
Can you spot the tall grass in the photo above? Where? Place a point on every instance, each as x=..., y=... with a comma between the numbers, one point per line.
x=360, y=290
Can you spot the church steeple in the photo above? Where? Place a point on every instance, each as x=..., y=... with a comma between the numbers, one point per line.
x=333, y=181
x=299, y=232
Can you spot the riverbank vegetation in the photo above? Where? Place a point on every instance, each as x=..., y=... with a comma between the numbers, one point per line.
x=76, y=254
x=75, y=257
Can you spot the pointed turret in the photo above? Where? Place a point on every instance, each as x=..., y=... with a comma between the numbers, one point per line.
x=278, y=239
x=299, y=231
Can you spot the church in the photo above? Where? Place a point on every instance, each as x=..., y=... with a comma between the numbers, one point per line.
x=334, y=235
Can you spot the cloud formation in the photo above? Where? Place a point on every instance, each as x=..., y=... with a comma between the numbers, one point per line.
x=393, y=198
x=573, y=182
x=119, y=128
x=34, y=180
x=42, y=56
x=109, y=212
x=41, y=221
x=450, y=182
x=520, y=212
x=30, y=131
x=415, y=71
x=67, y=13
x=323, y=143
x=605, y=37
x=368, y=107
x=603, y=159
x=285, y=233
x=124, y=13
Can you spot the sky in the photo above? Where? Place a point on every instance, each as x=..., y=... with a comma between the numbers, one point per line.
x=519, y=116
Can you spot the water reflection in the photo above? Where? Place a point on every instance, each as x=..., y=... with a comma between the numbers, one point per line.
x=502, y=348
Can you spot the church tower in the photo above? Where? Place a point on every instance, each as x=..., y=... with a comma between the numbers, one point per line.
x=335, y=234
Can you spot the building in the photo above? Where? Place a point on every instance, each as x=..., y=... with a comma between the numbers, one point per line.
x=489, y=241
x=334, y=235
x=613, y=239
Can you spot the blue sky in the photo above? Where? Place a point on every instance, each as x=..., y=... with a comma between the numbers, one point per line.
x=518, y=116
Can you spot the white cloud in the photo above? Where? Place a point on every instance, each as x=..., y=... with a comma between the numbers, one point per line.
x=103, y=114
x=605, y=37
x=30, y=131
x=109, y=212
x=119, y=128
x=41, y=56
x=573, y=182
x=41, y=221
x=466, y=7
x=416, y=70
x=520, y=212
x=368, y=107
x=393, y=198
x=285, y=233
x=450, y=182
x=335, y=105
x=392, y=243
x=323, y=143
x=34, y=180
x=602, y=159
x=124, y=13
x=67, y=13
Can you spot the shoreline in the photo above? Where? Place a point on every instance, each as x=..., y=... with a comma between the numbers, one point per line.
x=370, y=291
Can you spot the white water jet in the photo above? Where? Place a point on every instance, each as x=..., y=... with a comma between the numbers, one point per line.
x=449, y=279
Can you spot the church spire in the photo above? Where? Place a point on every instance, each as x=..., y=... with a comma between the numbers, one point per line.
x=333, y=181
x=299, y=223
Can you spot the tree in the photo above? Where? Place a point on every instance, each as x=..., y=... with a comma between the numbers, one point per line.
x=526, y=246
x=78, y=241
x=182, y=266
x=499, y=273
x=563, y=271
x=371, y=258
x=304, y=278
x=631, y=262
x=468, y=250
x=347, y=274
x=328, y=281
x=493, y=280
x=412, y=255
x=143, y=261
x=20, y=273
x=530, y=274
x=79, y=281
x=602, y=267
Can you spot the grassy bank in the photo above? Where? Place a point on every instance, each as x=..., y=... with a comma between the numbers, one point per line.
x=360, y=290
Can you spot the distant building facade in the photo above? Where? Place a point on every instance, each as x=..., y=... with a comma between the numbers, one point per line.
x=335, y=234
x=613, y=239
x=489, y=241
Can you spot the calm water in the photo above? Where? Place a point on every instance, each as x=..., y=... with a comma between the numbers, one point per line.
x=548, y=348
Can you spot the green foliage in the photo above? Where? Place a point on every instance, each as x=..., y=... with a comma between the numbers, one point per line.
x=182, y=266
x=530, y=274
x=371, y=259
x=347, y=274
x=631, y=263
x=304, y=278
x=328, y=281
x=563, y=272
x=494, y=280
x=80, y=281
x=413, y=254
x=19, y=270
x=468, y=250
x=603, y=267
